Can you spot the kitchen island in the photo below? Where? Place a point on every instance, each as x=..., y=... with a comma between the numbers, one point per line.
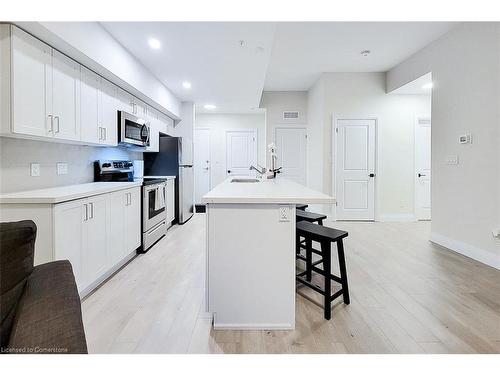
x=251, y=251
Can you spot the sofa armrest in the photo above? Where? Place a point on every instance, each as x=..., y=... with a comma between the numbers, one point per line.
x=49, y=316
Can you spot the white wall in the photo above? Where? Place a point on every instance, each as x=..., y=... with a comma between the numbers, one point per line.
x=17, y=154
x=275, y=103
x=465, y=66
x=362, y=95
x=218, y=124
x=91, y=45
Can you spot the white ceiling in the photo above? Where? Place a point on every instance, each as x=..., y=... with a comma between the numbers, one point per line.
x=302, y=51
x=207, y=54
x=275, y=56
x=415, y=87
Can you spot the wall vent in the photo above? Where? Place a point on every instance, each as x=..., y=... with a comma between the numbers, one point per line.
x=290, y=115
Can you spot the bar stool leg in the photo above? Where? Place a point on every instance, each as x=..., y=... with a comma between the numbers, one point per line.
x=327, y=265
x=308, y=259
x=343, y=272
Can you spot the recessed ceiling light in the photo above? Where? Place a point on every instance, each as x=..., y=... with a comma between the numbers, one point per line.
x=365, y=52
x=186, y=84
x=427, y=86
x=154, y=43
x=209, y=106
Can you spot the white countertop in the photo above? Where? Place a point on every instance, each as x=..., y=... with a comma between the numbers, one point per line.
x=165, y=177
x=266, y=191
x=65, y=193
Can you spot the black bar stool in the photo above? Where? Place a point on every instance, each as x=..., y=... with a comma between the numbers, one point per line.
x=301, y=206
x=325, y=236
x=309, y=216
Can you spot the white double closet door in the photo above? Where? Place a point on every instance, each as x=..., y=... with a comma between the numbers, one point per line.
x=355, y=169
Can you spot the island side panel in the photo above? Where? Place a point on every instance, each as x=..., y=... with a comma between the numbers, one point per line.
x=251, y=266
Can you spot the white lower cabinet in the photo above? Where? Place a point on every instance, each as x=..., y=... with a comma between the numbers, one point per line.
x=97, y=234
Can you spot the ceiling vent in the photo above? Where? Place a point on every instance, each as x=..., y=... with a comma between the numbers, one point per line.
x=291, y=115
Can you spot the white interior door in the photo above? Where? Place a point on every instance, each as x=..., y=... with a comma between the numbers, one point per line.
x=241, y=151
x=291, y=153
x=355, y=169
x=423, y=169
x=201, y=163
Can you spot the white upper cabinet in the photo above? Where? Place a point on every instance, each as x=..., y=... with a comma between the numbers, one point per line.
x=65, y=97
x=108, y=112
x=89, y=103
x=53, y=97
x=98, y=108
x=31, y=85
x=125, y=101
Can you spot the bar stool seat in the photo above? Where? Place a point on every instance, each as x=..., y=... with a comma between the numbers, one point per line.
x=309, y=216
x=301, y=206
x=325, y=236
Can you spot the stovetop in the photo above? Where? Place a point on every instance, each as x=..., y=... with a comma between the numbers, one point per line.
x=152, y=181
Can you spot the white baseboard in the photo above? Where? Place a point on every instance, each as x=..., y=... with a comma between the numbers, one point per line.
x=470, y=251
x=254, y=326
x=396, y=217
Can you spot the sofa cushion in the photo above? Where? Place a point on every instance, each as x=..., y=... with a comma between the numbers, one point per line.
x=49, y=316
x=17, y=243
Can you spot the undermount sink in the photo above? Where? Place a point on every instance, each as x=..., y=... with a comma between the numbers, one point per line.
x=245, y=180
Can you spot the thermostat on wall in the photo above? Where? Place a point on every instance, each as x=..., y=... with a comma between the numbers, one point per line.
x=465, y=138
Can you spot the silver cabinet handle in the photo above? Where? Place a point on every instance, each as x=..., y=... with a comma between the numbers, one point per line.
x=91, y=210
x=86, y=212
x=100, y=133
x=129, y=198
x=57, y=118
x=51, y=118
x=105, y=132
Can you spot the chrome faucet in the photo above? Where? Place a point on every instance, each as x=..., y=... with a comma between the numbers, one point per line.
x=262, y=171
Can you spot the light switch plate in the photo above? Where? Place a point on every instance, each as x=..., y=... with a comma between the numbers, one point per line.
x=284, y=212
x=62, y=168
x=35, y=169
x=452, y=160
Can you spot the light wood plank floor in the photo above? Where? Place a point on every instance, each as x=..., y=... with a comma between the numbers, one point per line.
x=407, y=296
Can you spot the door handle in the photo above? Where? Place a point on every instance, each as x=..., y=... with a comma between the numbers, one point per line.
x=421, y=175
x=104, y=130
x=228, y=171
x=91, y=216
x=86, y=212
x=371, y=175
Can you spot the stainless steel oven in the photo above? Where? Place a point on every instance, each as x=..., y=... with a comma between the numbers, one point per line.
x=133, y=131
x=154, y=215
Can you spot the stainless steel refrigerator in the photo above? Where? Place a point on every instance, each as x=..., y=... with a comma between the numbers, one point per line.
x=175, y=158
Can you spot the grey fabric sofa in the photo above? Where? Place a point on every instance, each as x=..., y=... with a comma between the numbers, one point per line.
x=40, y=308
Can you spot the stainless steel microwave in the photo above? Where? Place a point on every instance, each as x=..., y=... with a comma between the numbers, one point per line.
x=132, y=130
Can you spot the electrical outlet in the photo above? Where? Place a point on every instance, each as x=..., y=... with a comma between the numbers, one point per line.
x=452, y=160
x=35, y=169
x=62, y=168
x=496, y=233
x=284, y=212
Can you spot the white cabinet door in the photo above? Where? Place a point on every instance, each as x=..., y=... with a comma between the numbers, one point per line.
x=65, y=96
x=89, y=105
x=125, y=101
x=166, y=123
x=154, y=136
x=31, y=85
x=95, y=257
x=69, y=232
x=140, y=108
x=116, y=227
x=133, y=220
x=108, y=113
x=170, y=201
